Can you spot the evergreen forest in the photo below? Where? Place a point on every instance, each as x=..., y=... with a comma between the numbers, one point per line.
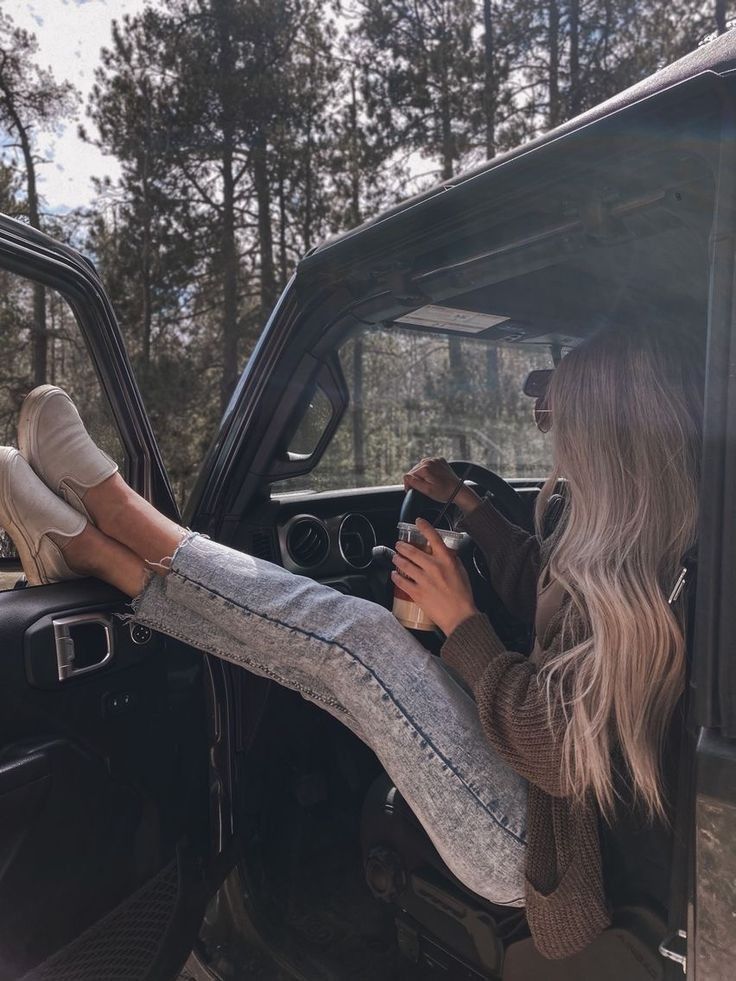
x=245, y=132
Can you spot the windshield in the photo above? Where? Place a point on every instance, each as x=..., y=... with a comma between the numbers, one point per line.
x=414, y=395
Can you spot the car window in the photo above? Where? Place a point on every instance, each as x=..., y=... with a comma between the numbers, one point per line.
x=417, y=394
x=67, y=365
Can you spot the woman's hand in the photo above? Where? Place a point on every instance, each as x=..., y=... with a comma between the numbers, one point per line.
x=437, y=582
x=435, y=478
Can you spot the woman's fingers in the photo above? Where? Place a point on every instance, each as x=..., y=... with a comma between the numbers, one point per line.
x=433, y=477
x=408, y=586
x=405, y=559
x=418, y=482
x=416, y=556
x=434, y=540
x=408, y=570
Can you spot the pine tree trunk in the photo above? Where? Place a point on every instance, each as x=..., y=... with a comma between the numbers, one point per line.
x=489, y=87
x=492, y=377
x=457, y=408
x=607, y=31
x=357, y=411
x=53, y=326
x=146, y=248
x=147, y=312
x=553, y=79
x=39, y=345
x=282, y=221
x=721, y=16
x=574, y=24
x=228, y=247
x=265, y=231
x=308, y=208
x=447, y=139
x=354, y=155
x=229, y=259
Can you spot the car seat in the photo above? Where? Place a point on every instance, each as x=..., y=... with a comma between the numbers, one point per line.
x=443, y=924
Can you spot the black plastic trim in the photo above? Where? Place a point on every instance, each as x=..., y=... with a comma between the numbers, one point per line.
x=714, y=671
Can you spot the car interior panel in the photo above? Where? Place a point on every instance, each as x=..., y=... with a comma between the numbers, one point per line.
x=102, y=776
x=104, y=725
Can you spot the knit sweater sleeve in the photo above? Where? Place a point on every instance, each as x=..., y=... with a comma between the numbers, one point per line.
x=513, y=558
x=512, y=704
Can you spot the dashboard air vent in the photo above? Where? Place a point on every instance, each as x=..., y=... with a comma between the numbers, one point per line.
x=308, y=542
x=356, y=539
x=262, y=545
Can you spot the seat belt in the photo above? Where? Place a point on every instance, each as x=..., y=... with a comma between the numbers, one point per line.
x=674, y=946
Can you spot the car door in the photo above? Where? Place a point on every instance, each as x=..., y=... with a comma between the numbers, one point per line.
x=708, y=939
x=104, y=733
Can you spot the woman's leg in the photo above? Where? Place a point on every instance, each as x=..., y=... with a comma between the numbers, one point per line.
x=350, y=657
x=128, y=518
x=353, y=659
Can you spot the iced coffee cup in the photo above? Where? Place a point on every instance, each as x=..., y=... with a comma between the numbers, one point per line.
x=406, y=611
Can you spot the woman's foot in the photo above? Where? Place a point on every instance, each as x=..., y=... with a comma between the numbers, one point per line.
x=39, y=523
x=53, y=439
x=55, y=542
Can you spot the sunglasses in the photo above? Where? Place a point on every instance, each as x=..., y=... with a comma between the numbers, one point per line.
x=536, y=386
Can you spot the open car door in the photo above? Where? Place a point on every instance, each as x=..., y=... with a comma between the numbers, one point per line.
x=104, y=733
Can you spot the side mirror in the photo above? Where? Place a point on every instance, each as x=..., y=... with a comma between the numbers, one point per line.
x=319, y=408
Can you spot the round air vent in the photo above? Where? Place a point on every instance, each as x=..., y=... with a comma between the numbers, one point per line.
x=308, y=542
x=356, y=539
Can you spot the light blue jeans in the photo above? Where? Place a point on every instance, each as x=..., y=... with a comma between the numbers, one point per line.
x=354, y=660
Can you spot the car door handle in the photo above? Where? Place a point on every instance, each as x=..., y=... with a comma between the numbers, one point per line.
x=65, y=647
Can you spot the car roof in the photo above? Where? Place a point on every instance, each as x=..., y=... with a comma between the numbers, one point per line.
x=717, y=56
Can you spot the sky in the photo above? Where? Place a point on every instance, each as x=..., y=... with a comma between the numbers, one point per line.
x=70, y=34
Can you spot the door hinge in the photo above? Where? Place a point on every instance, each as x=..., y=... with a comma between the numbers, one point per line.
x=674, y=948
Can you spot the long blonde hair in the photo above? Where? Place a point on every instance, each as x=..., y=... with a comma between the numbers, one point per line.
x=626, y=409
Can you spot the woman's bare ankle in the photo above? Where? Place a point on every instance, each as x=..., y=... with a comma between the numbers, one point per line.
x=81, y=551
x=106, y=502
x=123, y=515
x=92, y=553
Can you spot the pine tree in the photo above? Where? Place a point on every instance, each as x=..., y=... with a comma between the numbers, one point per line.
x=30, y=100
x=152, y=262
x=420, y=74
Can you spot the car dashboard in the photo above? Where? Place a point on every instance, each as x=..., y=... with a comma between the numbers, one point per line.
x=328, y=536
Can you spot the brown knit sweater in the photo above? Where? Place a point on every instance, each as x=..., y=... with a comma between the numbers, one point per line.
x=565, y=903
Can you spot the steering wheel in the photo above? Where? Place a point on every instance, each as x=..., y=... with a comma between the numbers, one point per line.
x=508, y=501
x=503, y=495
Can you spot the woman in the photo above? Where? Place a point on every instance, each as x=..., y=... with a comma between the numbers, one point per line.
x=509, y=784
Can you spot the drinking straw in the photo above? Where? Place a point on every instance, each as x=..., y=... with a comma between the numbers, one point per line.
x=452, y=496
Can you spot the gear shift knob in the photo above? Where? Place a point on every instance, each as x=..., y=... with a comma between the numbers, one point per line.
x=382, y=557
